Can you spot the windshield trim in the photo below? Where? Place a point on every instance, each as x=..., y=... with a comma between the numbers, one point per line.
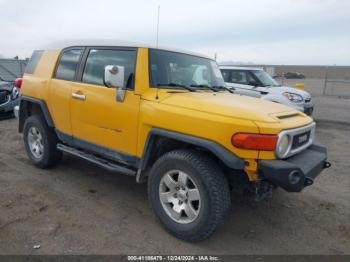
x=170, y=51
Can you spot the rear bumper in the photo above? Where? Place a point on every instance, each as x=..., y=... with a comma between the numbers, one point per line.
x=296, y=172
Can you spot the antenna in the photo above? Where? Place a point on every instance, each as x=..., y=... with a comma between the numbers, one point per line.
x=158, y=25
x=157, y=96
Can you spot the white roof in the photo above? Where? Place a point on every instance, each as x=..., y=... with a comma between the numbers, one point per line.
x=241, y=67
x=59, y=45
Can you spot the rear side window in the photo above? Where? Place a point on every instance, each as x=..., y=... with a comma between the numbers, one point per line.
x=98, y=59
x=68, y=64
x=33, y=62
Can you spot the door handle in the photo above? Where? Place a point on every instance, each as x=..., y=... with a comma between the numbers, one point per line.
x=78, y=96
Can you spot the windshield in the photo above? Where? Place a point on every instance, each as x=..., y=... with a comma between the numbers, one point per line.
x=172, y=70
x=265, y=78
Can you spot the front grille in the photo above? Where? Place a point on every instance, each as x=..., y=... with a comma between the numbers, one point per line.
x=4, y=97
x=307, y=100
x=301, y=139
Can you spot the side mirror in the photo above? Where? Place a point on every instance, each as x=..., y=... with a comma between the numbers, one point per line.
x=253, y=83
x=114, y=77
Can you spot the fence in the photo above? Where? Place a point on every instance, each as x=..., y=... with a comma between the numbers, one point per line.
x=11, y=69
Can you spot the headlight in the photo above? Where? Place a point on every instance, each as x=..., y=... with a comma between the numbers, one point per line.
x=282, y=147
x=293, y=97
x=14, y=93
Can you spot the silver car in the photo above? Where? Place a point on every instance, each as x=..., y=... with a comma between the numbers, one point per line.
x=256, y=82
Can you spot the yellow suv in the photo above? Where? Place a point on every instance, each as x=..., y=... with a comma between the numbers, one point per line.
x=165, y=117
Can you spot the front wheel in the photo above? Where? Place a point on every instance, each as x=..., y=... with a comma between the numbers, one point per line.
x=189, y=194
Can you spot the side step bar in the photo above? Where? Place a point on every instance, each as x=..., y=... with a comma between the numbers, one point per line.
x=97, y=160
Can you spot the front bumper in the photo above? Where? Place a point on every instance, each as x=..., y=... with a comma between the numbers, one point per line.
x=296, y=172
x=305, y=108
x=16, y=111
x=308, y=110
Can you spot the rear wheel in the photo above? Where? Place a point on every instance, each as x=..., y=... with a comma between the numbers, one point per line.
x=189, y=194
x=40, y=142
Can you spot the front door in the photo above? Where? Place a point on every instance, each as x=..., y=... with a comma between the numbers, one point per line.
x=99, y=121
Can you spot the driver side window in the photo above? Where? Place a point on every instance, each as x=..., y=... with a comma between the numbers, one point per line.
x=98, y=59
x=239, y=77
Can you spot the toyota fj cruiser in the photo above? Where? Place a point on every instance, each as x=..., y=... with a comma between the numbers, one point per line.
x=165, y=117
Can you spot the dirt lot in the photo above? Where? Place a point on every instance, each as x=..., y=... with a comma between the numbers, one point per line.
x=77, y=208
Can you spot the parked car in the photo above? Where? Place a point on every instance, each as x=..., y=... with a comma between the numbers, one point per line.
x=294, y=75
x=256, y=82
x=9, y=97
x=164, y=116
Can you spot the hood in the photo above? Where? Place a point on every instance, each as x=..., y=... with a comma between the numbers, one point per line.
x=282, y=89
x=229, y=105
x=8, y=86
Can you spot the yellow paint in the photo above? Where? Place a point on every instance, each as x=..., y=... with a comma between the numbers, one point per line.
x=124, y=126
x=251, y=169
x=300, y=86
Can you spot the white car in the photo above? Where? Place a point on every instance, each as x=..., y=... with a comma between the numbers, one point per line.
x=256, y=82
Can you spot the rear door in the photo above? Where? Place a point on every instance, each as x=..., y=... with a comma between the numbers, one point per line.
x=61, y=88
x=100, y=123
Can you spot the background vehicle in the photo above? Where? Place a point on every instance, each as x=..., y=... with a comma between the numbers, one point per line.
x=294, y=75
x=165, y=117
x=256, y=82
x=9, y=97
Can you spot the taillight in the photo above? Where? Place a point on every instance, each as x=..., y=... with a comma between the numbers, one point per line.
x=254, y=141
x=18, y=82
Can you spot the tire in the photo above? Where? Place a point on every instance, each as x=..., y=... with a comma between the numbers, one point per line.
x=204, y=175
x=36, y=129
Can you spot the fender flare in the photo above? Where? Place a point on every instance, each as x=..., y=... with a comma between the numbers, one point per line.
x=23, y=111
x=227, y=157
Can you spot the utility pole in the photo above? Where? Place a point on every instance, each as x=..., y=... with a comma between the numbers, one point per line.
x=158, y=25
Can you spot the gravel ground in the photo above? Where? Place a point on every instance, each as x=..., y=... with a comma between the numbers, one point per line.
x=77, y=208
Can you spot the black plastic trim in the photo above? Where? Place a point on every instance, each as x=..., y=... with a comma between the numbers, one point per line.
x=307, y=165
x=103, y=151
x=227, y=157
x=23, y=111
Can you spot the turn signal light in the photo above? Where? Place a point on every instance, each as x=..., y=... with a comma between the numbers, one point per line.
x=254, y=141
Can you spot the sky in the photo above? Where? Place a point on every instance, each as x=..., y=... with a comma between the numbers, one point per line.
x=310, y=32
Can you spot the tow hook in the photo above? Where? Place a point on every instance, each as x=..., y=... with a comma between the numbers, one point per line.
x=308, y=181
x=327, y=164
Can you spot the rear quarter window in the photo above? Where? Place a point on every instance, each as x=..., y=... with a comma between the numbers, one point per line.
x=33, y=61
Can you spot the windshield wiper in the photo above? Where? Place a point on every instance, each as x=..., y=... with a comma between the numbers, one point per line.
x=205, y=86
x=178, y=85
x=226, y=88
